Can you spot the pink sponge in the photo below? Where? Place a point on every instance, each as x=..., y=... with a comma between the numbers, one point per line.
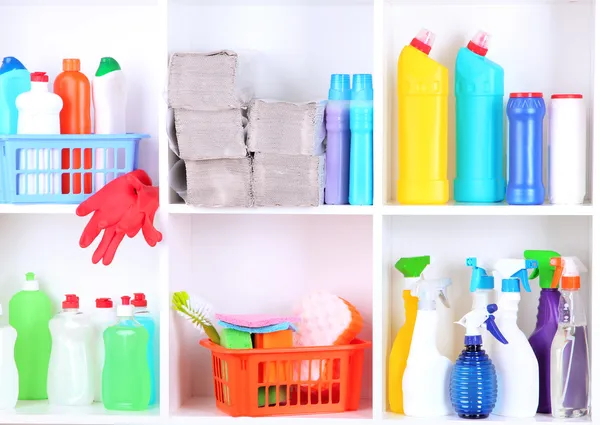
x=255, y=320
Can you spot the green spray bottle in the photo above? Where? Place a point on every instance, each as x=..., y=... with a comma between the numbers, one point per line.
x=547, y=321
x=29, y=312
x=412, y=268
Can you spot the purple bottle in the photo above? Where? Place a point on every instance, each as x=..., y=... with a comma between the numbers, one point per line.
x=337, y=157
x=547, y=321
x=525, y=113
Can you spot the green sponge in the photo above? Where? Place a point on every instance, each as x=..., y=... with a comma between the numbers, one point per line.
x=272, y=395
x=236, y=340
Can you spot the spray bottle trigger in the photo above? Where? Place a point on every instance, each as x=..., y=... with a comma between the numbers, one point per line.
x=491, y=326
x=444, y=298
x=559, y=266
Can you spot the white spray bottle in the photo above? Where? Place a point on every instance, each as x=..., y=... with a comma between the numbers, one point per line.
x=427, y=376
x=516, y=364
x=482, y=288
x=9, y=387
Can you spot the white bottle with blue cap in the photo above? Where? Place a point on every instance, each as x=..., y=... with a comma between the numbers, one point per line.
x=482, y=287
x=516, y=364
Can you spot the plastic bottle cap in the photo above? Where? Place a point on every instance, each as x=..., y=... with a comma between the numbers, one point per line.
x=423, y=41
x=10, y=63
x=570, y=283
x=479, y=43
x=30, y=283
x=71, y=301
x=362, y=87
x=511, y=285
x=527, y=94
x=566, y=96
x=339, y=88
x=71, y=65
x=125, y=309
x=139, y=300
x=104, y=303
x=107, y=65
x=39, y=77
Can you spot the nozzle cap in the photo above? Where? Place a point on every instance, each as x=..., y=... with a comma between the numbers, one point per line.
x=423, y=41
x=339, y=87
x=71, y=302
x=512, y=284
x=479, y=43
x=362, y=87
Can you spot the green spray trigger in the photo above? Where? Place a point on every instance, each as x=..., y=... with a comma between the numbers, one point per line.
x=544, y=270
x=412, y=266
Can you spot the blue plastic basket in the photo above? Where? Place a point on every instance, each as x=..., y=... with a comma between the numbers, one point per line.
x=55, y=169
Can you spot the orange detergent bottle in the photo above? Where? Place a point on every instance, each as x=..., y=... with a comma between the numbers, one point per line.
x=74, y=89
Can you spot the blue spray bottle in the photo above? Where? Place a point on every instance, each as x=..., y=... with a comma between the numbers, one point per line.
x=473, y=385
x=14, y=80
x=361, y=140
x=479, y=90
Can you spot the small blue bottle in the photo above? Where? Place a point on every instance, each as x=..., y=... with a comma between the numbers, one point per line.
x=361, y=140
x=473, y=382
x=525, y=113
x=337, y=157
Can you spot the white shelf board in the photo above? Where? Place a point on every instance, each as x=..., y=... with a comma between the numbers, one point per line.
x=38, y=208
x=40, y=412
x=488, y=209
x=482, y=2
x=453, y=419
x=198, y=408
x=320, y=210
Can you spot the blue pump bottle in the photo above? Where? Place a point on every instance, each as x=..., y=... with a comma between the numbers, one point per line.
x=473, y=383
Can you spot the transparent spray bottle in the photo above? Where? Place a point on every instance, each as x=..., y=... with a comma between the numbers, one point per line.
x=473, y=384
x=570, y=371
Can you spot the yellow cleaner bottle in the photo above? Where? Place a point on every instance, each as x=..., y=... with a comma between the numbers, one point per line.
x=426, y=381
x=422, y=124
x=412, y=269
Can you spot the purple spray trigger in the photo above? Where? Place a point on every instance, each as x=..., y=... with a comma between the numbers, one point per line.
x=491, y=325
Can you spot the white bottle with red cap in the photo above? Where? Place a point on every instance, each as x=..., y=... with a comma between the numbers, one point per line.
x=567, y=146
x=9, y=386
x=144, y=317
x=71, y=371
x=103, y=317
x=39, y=113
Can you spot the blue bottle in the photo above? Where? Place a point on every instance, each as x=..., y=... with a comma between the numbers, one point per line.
x=337, y=157
x=361, y=142
x=473, y=382
x=14, y=80
x=525, y=113
x=144, y=318
x=479, y=90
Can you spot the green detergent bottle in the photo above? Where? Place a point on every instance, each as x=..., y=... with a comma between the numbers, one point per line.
x=126, y=374
x=29, y=312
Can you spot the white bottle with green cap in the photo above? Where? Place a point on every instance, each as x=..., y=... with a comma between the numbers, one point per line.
x=109, y=95
x=9, y=388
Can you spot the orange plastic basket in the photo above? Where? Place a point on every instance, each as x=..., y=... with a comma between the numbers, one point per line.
x=287, y=381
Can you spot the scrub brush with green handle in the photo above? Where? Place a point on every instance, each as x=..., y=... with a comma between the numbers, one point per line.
x=198, y=312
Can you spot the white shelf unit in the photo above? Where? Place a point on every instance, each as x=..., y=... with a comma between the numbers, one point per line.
x=264, y=259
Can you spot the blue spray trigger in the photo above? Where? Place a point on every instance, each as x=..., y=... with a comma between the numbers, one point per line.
x=479, y=277
x=523, y=277
x=491, y=326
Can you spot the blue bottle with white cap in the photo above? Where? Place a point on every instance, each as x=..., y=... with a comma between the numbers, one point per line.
x=14, y=80
x=361, y=143
x=473, y=382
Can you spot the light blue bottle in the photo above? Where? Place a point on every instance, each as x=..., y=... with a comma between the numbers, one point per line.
x=14, y=80
x=361, y=140
x=479, y=91
x=143, y=316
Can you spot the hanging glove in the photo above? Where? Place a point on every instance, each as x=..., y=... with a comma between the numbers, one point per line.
x=122, y=207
